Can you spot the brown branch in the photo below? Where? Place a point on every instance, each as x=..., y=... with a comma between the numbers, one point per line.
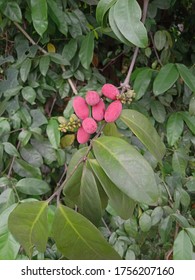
x=125, y=85
x=44, y=52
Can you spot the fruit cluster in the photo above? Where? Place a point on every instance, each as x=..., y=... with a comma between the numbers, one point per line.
x=92, y=109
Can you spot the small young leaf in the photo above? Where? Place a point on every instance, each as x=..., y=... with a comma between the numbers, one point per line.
x=53, y=133
x=182, y=247
x=86, y=50
x=28, y=224
x=78, y=239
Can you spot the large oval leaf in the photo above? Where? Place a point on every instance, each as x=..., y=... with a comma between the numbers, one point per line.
x=78, y=239
x=127, y=13
x=166, y=77
x=39, y=15
x=28, y=224
x=90, y=203
x=86, y=50
x=119, y=201
x=101, y=10
x=182, y=248
x=127, y=169
x=32, y=186
x=144, y=130
x=142, y=82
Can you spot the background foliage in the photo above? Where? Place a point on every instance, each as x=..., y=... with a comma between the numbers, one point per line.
x=137, y=186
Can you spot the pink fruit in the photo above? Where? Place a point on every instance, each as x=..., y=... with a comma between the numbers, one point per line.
x=82, y=136
x=113, y=111
x=80, y=107
x=110, y=91
x=98, y=111
x=92, y=98
x=89, y=125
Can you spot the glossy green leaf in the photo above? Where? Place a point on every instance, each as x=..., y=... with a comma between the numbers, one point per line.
x=119, y=201
x=165, y=79
x=25, y=169
x=142, y=82
x=10, y=149
x=39, y=15
x=86, y=50
x=28, y=224
x=32, y=186
x=29, y=94
x=25, y=69
x=57, y=16
x=160, y=39
x=158, y=111
x=182, y=247
x=189, y=120
x=90, y=203
x=128, y=13
x=12, y=11
x=174, y=128
x=110, y=129
x=127, y=169
x=9, y=247
x=144, y=130
x=53, y=133
x=44, y=64
x=70, y=49
x=78, y=239
x=191, y=234
x=102, y=8
x=58, y=59
x=115, y=29
x=187, y=76
x=179, y=161
x=181, y=220
x=24, y=136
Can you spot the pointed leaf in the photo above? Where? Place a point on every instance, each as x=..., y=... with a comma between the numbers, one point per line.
x=25, y=69
x=86, y=50
x=187, y=76
x=7, y=198
x=182, y=248
x=144, y=130
x=78, y=239
x=191, y=233
x=28, y=224
x=102, y=8
x=126, y=168
x=39, y=15
x=142, y=82
x=29, y=94
x=119, y=201
x=174, y=128
x=32, y=186
x=165, y=79
x=53, y=133
x=189, y=120
x=160, y=39
x=90, y=203
x=128, y=13
x=10, y=149
x=158, y=111
x=179, y=161
x=44, y=64
x=13, y=12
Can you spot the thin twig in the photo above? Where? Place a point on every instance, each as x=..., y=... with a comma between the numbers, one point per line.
x=106, y=226
x=12, y=162
x=125, y=85
x=155, y=51
x=52, y=106
x=44, y=52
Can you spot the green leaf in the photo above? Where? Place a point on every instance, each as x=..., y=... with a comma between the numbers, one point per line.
x=39, y=15
x=70, y=49
x=165, y=79
x=165, y=229
x=182, y=247
x=101, y=10
x=9, y=247
x=119, y=201
x=10, y=149
x=29, y=94
x=7, y=198
x=179, y=162
x=13, y=12
x=191, y=106
x=86, y=50
x=32, y=186
x=115, y=29
x=28, y=224
x=78, y=239
x=191, y=234
x=145, y=222
x=127, y=169
x=128, y=13
x=53, y=133
x=57, y=16
x=189, y=120
x=110, y=129
x=44, y=64
x=24, y=136
x=25, y=169
x=90, y=203
x=183, y=222
x=174, y=128
x=144, y=130
x=58, y=59
x=160, y=39
x=25, y=69
x=158, y=111
x=187, y=76
x=142, y=82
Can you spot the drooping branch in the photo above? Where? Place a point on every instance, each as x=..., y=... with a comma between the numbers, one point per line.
x=125, y=85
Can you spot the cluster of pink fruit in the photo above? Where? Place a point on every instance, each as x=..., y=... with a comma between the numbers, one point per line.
x=98, y=112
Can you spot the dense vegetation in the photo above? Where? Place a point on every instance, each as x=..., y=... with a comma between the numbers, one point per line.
x=129, y=193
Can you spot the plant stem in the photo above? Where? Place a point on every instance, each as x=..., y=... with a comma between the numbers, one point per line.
x=125, y=85
x=155, y=51
x=12, y=162
x=45, y=52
